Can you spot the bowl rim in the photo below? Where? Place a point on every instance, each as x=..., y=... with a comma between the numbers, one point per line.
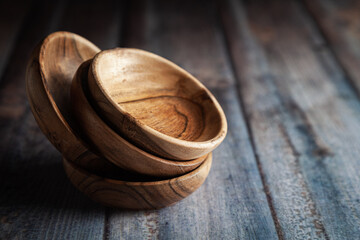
x=166, y=161
x=217, y=139
x=43, y=49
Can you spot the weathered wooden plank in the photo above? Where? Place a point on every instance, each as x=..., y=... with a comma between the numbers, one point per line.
x=231, y=204
x=180, y=26
x=98, y=21
x=303, y=116
x=12, y=14
x=33, y=185
x=339, y=23
x=37, y=201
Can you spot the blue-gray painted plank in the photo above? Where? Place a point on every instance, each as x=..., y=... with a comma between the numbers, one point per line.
x=98, y=21
x=339, y=23
x=37, y=200
x=303, y=117
x=301, y=112
x=12, y=14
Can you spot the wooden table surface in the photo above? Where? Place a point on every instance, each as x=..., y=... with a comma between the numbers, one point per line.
x=287, y=74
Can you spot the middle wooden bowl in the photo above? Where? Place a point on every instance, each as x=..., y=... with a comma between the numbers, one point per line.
x=155, y=104
x=110, y=144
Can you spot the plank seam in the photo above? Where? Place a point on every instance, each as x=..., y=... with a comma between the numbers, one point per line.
x=124, y=5
x=328, y=46
x=15, y=40
x=315, y=213
x=225, y=41
x=106, y=224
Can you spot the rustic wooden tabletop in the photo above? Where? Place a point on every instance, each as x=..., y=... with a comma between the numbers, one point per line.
x=287, y=74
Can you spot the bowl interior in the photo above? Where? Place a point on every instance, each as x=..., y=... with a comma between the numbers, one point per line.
x=110, y=144
x=60, y=56
x=157, y=93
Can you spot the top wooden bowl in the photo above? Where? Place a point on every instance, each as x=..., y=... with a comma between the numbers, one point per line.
x=110, y=144
x=156, y=104
x=49, y=74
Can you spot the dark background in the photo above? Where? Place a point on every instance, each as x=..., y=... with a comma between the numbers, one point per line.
x=287, y=76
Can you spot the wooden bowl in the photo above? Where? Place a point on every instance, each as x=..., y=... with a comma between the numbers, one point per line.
x=111, y=145
x=49, y=73
x=137, y=195
x=50, y=70
x=155, y=104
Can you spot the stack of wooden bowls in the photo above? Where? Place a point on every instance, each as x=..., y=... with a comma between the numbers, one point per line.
x=135, y=130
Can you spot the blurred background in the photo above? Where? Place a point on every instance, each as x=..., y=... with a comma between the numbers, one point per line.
x=287, y=75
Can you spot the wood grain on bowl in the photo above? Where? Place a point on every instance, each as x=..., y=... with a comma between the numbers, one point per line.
x=137, y=195
x=48, y=79
x=155, y=104
x=113, y=146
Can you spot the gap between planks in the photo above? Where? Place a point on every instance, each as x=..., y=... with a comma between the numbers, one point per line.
x=120, y=41
x=325, y=38
x=224, y=38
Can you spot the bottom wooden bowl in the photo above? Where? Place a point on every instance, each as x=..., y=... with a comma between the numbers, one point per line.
x=139, y=194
